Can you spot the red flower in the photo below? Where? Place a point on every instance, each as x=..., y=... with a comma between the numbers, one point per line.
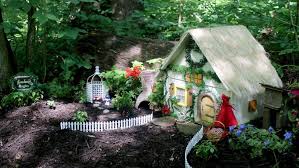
x=133, y=73
x=295, y=92
x=294, y=113
x=165, y=110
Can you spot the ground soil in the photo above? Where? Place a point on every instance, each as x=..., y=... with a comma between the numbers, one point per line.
x=111, y=50
x=30, y=137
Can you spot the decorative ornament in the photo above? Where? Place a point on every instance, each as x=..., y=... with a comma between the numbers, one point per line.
x=226, y=117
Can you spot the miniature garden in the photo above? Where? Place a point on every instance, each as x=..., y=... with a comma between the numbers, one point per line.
x=90, y=83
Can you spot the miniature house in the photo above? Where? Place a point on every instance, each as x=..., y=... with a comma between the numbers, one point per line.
x=209, y=62
x=95, y=88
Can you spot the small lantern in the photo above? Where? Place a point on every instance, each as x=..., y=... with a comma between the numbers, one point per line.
x=95, y=88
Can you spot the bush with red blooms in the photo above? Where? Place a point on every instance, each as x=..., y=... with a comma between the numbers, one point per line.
x=135, y=72
x=165, y=110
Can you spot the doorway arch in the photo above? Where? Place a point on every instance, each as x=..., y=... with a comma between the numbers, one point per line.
x=207, y=109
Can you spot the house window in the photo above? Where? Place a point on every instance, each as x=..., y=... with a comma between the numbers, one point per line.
x=195, y=77
x=181, y=95
x=252, y=106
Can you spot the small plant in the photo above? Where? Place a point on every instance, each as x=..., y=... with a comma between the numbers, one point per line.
x=157, y=97
x=20, y=98
x=123, y=102
x=80, y=116
x=254, y=142
x=51, y=104
x=206, y=150
x=155, y=63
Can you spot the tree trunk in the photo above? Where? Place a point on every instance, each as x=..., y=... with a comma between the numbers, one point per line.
x=31, y=32
x=181, y=11
x=6, y=58
x=123, y=8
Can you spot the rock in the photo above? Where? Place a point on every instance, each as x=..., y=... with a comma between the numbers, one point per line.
x=164, y=121
x=95, y=105
x=19, y=156
x=187, y=128
x=106, y=111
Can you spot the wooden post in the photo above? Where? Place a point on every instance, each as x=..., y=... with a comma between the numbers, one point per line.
x=266, y=118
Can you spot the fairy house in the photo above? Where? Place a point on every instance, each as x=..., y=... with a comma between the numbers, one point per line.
x=209, y=62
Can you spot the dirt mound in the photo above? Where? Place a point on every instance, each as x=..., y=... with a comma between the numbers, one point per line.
x=110, y=50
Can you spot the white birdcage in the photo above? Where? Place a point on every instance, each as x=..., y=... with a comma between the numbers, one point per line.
x=95, y=88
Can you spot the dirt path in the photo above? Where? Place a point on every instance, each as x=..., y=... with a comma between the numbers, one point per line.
x=30, y=137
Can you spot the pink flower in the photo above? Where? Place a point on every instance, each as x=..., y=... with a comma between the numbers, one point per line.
x=295, y=92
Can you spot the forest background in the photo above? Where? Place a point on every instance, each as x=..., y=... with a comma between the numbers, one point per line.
x=56, y=39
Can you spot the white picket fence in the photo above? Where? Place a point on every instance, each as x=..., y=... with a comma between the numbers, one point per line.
x=106, y=125
x=196, y=138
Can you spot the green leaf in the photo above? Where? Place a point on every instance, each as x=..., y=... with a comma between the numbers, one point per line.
x=69, y=33
x=75, y=1
x=41, y=18
x=52, y=17
x=87, y=0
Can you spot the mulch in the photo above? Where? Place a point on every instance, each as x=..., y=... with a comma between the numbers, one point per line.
x=30, y=137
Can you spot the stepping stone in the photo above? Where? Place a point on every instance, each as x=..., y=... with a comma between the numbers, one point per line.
x=106, y=111
x=164, y=121
x=188, y=128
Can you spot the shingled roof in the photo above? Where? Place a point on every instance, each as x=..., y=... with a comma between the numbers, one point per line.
x=235, y=55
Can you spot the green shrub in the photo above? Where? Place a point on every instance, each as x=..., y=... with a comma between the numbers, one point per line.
x=117, y=82
x=157, y=97
x=80, y=116
x=21, y=98
x=254, y=142
x=123, y=102
x=58, y=90
x=206, y=150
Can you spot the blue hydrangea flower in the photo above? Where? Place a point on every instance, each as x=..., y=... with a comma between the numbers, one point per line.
x=239, y=132
x=242, y=126
x=231, y=128
x=288, y=135
x=270, y=129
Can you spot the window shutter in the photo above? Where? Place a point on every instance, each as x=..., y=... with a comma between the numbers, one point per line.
x=154, y=88
x=171, y=89
x=198, y=78
x=252, y=106
x=188, y=77
x=189, y=97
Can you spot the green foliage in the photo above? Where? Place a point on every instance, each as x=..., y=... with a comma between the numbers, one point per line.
x=21, y=98
x=57, y=90
x=124, y=102
x=117, y=82
x=137, y=63
x=206, y=150
x=115, y=79
x=157, y=97
x=60, y=24
x=80, y=116
x=254, y=142
x=155, y=63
